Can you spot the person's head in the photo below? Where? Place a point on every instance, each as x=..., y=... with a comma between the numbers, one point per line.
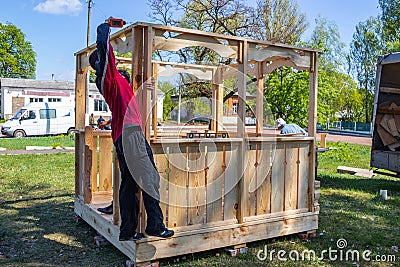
x=280, y=123
x=92, y=59
x=125, y=74
x=91, y=114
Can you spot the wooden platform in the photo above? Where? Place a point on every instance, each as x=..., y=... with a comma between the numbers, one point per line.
x=206, y=237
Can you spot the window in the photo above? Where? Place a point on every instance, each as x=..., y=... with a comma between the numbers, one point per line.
x=47, y=113
x=100, y=105
x=54, y=100
x=234, y=108
x=35, y=99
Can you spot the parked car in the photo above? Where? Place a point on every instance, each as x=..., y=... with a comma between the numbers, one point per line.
x=40, y=118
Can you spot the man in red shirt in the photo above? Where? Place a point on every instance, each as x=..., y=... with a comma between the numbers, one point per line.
x=134, y=153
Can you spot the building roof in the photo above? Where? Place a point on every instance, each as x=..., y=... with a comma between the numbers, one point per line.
x=40, y=84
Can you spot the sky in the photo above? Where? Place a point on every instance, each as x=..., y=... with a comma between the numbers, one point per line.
x=58, y=28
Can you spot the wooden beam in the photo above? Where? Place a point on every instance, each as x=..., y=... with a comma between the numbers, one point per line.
x=187, y=39
x=260, y=53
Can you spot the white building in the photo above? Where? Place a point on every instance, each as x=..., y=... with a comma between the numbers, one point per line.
x=16, y=93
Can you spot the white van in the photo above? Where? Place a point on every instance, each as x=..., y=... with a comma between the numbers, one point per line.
x=40, y=118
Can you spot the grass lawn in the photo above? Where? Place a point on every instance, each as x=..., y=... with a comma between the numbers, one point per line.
x=52, y=141
x=37, y=226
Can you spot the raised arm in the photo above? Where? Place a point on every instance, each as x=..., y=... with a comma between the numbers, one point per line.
x=105, y=64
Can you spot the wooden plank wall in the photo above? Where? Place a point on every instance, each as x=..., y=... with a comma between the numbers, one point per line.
x=197, y=185
x=278, y=176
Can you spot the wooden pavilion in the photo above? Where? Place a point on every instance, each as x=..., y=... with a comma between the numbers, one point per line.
x=215, y=192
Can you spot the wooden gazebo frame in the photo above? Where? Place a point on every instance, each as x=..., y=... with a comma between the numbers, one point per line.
x=215, y=192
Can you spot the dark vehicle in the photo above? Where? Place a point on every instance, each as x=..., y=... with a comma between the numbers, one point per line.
x=199, y=121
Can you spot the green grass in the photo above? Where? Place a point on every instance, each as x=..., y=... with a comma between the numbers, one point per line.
x=52, y=141
x=37, y=226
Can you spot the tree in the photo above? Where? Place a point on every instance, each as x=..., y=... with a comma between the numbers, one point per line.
x=279, y=21
x=286, y=94
x=390, y=18
x=365, y=48
x=168, y=89
x=326, y=37
x=17, y=58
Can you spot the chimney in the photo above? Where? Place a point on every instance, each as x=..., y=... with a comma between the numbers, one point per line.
x=52, y=77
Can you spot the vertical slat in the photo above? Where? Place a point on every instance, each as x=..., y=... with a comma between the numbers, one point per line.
x=177, y=192
x=291, y=176
x=232, y=177
x=87, y=185
x=187, y=184
x=251, y=178
x=277, y=181
x=197, y=200
x=95, y=164
x=82, y=161
x=77, y=165
x=223, y=181
x=264, y=179
x=303, y=176
x=260, y=99
x=214, y=186
x=105, y=167
x=160, y=159
x=116, y=183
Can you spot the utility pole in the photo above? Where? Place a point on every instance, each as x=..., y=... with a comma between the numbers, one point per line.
x=90, y=2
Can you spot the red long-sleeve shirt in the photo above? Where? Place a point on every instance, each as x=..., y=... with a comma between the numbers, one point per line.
x=113, y=86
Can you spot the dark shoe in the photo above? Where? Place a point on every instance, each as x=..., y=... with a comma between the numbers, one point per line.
x=165, y=233
x=107, y=210
x=136, y=236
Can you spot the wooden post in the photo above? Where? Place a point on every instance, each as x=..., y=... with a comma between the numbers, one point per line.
x=137, y=61
x=147, y=79
x=243, y=186
x=218, y=99
x=80, y=96
x=312, y=126
x=155, y=99
x=260, y=99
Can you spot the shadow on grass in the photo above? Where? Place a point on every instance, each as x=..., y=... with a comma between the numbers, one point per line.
x=42, y=232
